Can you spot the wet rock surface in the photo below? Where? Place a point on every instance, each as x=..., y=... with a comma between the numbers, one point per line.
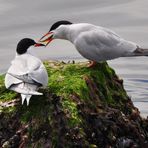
x=102, y=115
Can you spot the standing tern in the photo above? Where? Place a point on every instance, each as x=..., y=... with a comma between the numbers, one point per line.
x=26, y=73
x=95, y=43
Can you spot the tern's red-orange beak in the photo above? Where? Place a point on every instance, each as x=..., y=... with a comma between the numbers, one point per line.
x=47, y=40
x=38, y=45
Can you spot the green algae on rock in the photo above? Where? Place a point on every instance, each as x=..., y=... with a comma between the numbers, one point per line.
x=81, y=107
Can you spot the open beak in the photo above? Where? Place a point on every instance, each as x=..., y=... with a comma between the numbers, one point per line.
x=47, y=40
x=38, y=45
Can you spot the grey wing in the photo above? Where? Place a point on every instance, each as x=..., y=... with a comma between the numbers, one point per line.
x=37, y=71
x=40, y=75
x=29, y=70
x=11, y=80
x=25, y=78
x=35, y=75
x=111, y=39
x=101, y=44
x=97, y=38
x=25, y=88
x=105, y=40
x=20, y=86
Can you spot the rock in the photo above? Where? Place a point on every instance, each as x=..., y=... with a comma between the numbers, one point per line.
x=6, y=144
x=81, y=107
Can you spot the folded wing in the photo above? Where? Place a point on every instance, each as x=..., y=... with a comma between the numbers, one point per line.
x=26, y=74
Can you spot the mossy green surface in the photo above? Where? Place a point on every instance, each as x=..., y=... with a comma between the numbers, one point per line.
x=71, y=111
x=65, y=79
x=5, y=94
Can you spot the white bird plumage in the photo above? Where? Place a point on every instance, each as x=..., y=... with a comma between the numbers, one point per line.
x=95, y=43
x=25, y=75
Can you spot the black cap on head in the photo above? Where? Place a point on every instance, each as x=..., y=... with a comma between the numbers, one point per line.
x=24, y=44
x=57, y=24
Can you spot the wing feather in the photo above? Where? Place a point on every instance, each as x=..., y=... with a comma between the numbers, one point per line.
x=102, y=44
x=26, y=68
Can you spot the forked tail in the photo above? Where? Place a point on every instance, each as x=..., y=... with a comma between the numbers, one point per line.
x=140, y=52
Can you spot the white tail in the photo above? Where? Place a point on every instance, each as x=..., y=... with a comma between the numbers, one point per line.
x=28, y=99
x=25, y=97
x=26, y=90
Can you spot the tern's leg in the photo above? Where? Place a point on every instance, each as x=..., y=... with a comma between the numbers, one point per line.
x=28, y=99
x=23, y=98
x=92, y=64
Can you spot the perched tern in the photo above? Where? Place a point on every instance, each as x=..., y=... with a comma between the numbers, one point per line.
x=95, y=43
x=26, y=73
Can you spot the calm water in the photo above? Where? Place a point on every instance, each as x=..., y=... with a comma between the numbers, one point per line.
x=128, y=18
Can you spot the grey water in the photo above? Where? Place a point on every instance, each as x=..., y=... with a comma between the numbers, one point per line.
x=128, y=18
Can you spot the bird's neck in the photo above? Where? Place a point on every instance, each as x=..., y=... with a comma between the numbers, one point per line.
x=26, y=53
x=64, y=32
